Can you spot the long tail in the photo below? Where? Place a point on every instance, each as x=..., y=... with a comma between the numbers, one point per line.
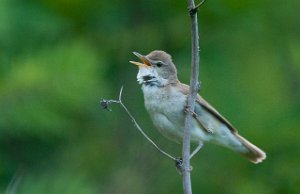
x=254, y=154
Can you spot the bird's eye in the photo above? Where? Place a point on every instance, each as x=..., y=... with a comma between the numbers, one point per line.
x=159, y=64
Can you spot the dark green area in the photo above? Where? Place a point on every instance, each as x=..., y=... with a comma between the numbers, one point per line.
x=59, y=58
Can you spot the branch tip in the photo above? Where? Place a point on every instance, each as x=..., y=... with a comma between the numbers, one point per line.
x=200, y=4
x=105, y=104
x=120, y=95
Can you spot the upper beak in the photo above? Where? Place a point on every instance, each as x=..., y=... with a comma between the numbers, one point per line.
x=146, y=62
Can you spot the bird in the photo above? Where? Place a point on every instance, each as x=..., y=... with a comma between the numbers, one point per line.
x=165, y=100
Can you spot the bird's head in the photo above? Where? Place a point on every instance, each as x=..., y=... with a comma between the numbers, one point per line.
x=157, y=68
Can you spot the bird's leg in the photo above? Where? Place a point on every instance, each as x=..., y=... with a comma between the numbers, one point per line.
x=199, y=146
x=195, y=115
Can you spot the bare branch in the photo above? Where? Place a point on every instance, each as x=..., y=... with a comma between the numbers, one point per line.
x=194, y=88
x=198, y=148
x=15, y=182
x=120, y=95
x=105, y=105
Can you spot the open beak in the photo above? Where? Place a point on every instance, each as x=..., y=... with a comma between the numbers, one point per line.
x=146, y=62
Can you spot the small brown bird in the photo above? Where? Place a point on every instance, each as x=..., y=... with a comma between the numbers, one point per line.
x=165, y=99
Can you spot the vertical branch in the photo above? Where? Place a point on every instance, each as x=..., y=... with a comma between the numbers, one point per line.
x=194, y=88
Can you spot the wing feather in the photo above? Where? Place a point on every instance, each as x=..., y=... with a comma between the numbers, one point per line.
x=185, y=89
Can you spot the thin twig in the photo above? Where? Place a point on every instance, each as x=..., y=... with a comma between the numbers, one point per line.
x=200, y=4
x=15, y=182
x=198, y=148
x=105, y=104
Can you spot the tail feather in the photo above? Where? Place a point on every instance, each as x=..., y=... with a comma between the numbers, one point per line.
x=254, y=154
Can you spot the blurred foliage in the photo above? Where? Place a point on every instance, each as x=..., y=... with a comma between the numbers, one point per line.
x=59, y=58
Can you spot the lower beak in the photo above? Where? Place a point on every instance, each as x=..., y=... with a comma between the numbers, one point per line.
x=146, y=62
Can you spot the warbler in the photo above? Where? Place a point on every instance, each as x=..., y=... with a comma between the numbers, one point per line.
x=165, y=100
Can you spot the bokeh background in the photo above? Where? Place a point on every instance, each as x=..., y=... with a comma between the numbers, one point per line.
x=59, y=58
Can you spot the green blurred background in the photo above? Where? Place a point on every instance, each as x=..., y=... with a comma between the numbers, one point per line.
x=58, y=58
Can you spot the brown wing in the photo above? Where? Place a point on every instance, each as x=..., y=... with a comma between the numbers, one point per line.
x=185, y=89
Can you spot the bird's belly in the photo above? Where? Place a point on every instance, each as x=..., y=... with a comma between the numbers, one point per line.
x=168, y=118
x=172, y=126
x=166, y=111
x=168, y=128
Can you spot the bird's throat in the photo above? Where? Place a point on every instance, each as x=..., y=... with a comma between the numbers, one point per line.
x=148, y=78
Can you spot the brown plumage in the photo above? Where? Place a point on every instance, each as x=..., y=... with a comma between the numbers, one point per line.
x=165, y=99
x=254, y=154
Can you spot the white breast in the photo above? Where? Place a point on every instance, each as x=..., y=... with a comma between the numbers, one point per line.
x=166, y=108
